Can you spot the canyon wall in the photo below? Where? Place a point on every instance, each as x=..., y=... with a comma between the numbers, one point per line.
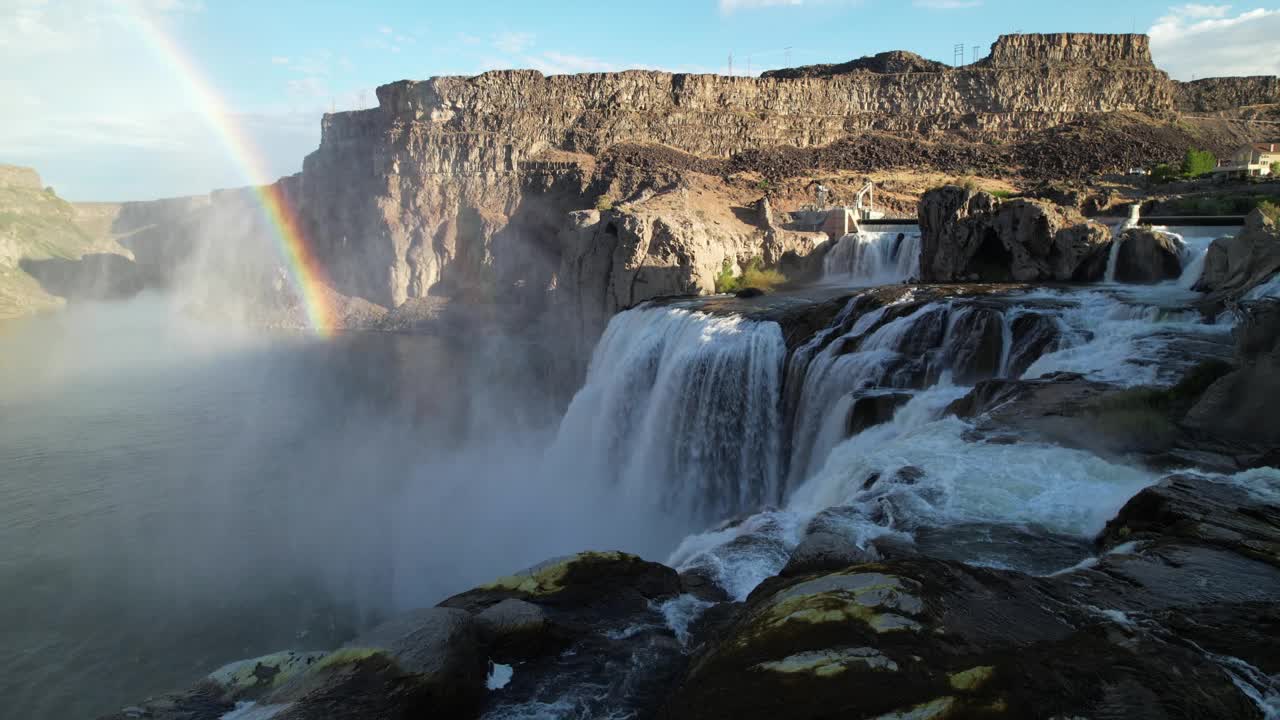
x=1226, y=93
x=455, y=183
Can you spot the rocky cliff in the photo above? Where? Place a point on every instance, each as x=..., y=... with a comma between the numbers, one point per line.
x=1226, y=93
x=477, y=185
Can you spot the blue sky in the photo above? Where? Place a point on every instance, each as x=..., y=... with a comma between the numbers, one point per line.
x=103, y=117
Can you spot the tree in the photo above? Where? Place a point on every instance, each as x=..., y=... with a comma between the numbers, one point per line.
x=1275, y=169
x=1198, y=162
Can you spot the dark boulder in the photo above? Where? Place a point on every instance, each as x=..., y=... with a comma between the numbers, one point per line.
x=1193, y=508
x=1034, y=334
x=1235, y=265
x=932, y=639
x=873, y=409
x=824, y=552
x=967, y=235
x=1241, y=406
x=977, y=346
x=1147, y=256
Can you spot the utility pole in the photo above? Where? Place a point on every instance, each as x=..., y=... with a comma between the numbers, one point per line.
x=957, y=58
x=787, y=52
x=730, y=63
x=975, y=54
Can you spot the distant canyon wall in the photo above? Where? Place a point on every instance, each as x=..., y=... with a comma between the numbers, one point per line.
x=415, y=196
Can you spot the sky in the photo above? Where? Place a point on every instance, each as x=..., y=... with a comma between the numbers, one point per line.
x=103, y=112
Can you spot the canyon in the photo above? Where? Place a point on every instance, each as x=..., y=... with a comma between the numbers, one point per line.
x=576, y=196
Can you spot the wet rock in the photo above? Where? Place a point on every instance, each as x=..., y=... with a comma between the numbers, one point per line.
x=926, y=638
x=824, y=552
x=1235, y=265
x=749, y=293
x=586, y=578
x=873, y=409
x=1033, y=335
x=1195, y=508
x=978, y=345
x=1147, y=256
x=425, y=661
x=515, y=629
x=1241, y=404
x=966, y=234
x=585, y=634
x=251, y=679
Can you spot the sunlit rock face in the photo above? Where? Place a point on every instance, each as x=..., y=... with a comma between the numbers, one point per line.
x=455, y=184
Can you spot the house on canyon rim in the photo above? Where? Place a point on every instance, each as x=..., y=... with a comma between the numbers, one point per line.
x=1253, y=160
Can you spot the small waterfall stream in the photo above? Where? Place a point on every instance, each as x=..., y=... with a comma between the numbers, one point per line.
x=886, y=255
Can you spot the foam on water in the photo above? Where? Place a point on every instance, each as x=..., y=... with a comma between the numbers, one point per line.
x=1117, y=341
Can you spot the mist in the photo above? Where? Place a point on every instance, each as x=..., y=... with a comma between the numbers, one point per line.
x=193, y=487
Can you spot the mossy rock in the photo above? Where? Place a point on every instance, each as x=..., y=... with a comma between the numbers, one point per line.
x=585, y=578
x=252, y=678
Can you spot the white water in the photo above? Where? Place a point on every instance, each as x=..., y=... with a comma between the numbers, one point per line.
x=1193, y=241
x=1119, y=335
x=681, y=409
x=875, y=257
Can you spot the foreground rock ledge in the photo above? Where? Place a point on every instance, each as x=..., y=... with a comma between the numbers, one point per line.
x=1182, y=592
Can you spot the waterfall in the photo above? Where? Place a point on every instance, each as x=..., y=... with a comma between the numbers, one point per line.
x=681, y=409
x=875, y=257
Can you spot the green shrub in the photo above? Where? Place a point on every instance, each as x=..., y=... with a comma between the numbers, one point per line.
x=1198, y=162
x=754, y=276
x=1271, y=210
x=1275, y=169
x=604, y=203
x=1002, y=194
x=725, y=281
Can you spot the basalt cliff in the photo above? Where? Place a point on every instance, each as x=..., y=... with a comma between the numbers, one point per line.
x=574, y=196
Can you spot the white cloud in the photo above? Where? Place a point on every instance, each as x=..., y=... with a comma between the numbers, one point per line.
x=96, y=137
x=1207, y=40
x=946, y=4
x=513, y=42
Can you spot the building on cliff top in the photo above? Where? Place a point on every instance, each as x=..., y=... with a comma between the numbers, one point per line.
x=1253, y=160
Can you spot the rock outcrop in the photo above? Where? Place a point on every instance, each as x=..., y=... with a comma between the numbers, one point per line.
x=1241, y=406
x=1147, y=256
x=454, y=185
x=973, y=236
x=1209, y=95
x=1236, y=264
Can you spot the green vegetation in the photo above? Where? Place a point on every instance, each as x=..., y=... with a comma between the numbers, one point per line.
x=754, y=276
x=1002, y=194
x=763, y=186
x=604, y=203
x=1271, y=210
x=1275, y=169
x=1163, y=173
x=1198, y=162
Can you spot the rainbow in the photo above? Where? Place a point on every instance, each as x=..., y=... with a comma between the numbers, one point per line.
x=304, y=268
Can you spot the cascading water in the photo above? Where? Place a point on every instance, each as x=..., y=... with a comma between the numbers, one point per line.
x=884, y=256
x=681, y=409
x=922, y=470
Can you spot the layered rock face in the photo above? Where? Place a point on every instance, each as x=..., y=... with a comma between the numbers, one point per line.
x=1226, y=93
x=973, y=236
x=454, y=183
